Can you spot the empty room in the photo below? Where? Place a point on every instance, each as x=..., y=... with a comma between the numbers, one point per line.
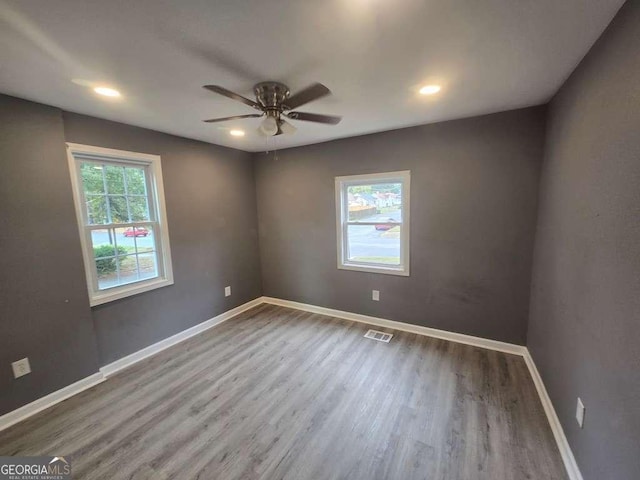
x=342, y=239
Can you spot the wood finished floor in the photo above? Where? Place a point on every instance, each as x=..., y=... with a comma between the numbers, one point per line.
x=283, y=394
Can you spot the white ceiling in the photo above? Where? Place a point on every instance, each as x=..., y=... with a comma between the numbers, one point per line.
x=488, y=55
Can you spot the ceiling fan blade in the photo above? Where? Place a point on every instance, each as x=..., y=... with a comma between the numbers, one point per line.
x=314, y=117
x=228, y=93
x=309, y=94
x=252, y=115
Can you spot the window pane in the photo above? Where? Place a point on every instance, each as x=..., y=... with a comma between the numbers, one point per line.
x=374, y=244
x=107, y=278
x=370, y=203
x=128, y=269
x=135, y=181
x=118, y=206
x=115, y=179
x=107, y=253
x=96, y=209
x=139, y=209
x=119, y=251
x=137, y=239
x=148, y=265
x=104, y=237
x=92, y=181
x=133, y=268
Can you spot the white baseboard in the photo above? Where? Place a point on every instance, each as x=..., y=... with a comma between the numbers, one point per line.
x=24, y=412
x=556, y=427
x=405, y=327
x=558, y=433
x=151, y=350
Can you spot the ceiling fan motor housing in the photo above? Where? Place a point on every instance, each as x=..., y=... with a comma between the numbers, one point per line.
x=271, y=96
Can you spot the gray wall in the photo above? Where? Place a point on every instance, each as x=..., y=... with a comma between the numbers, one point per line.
x=44, y=307
x=474, y=186
x=211, y=211
x=584, y=329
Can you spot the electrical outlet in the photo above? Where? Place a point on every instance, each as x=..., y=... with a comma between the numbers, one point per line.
x=375, y=295
x=21, y=368
x=580, y=413
x=227, y=291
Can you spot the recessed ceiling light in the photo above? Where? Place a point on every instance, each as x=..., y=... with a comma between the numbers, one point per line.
x=237, y=133
x=430, y=89
x=106, y=91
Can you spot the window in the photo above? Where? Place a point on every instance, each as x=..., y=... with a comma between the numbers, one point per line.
x=373, y=222
x=122, y=221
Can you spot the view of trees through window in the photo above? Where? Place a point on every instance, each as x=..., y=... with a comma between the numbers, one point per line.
x=122, y=231
x=374, y=223
x=114, y=194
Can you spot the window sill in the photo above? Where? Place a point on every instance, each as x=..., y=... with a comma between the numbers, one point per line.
x=403, y=272
x=128, y=290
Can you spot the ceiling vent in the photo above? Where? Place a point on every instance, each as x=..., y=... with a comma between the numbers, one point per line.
x=379, y=336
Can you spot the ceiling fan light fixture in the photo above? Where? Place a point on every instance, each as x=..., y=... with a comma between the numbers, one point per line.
x=237, y=133
x=287, y=128
x=269, y=126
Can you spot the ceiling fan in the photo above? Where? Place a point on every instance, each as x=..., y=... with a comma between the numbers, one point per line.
x=274, y=101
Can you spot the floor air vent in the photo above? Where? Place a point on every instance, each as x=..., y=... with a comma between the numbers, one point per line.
x=379, y=336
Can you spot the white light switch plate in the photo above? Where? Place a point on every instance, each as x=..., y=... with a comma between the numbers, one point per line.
x=375, y=295
x=580, y=413
x=227, y=291
x=21, y=368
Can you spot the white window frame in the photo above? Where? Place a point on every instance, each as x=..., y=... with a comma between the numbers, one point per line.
x=342, y=221
x=76, y=153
